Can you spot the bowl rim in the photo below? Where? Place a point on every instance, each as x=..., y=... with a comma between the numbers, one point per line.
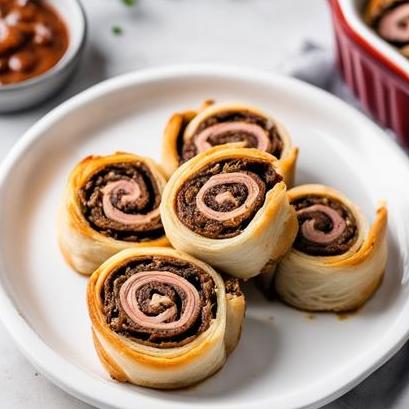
x=349, y=10
x=64, y=62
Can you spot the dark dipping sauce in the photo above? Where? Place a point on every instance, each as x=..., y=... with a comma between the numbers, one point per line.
x=33, y=38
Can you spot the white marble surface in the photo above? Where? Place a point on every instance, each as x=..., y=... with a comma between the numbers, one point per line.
x=258, y=33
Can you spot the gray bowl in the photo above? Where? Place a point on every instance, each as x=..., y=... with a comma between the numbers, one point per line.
x=33, y=91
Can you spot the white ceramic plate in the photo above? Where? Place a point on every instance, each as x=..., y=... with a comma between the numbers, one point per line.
x=285, y=359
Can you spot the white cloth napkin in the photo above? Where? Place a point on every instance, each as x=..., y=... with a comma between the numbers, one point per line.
x=388, y=387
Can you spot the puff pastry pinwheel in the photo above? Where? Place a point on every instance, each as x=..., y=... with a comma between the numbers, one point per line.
x=229, y=207
x=161, y=318
x=336, y=262
x=192, y=132
x=390, y=19
x=111, y=203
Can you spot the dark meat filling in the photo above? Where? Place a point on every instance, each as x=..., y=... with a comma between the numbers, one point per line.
x=232, y=285
x=91, y=196
x=237, y=191
x=188, y=213
x=188, y=149
x=341, y=244
x=119, y=321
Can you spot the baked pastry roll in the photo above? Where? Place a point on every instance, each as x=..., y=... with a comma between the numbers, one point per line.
x=111, y=203
x=229, y=207
x=390, y=19
x=163, y=319
x=192, y=132
x=336, y=262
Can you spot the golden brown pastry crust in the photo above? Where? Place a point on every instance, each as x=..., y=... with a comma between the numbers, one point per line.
x=375, y=8
x=177, y=367
x=178, y=123
x=175, y=126
x=235, y=311
x=335, y=283
x=405, y=51
x=84, y=248
x=267, y=237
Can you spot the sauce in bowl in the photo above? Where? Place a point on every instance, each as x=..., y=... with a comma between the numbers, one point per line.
x=33, y=38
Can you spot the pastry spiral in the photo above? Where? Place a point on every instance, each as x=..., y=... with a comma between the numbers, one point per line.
x=192, y=132
x=229, y=207
x=111, y=203
x=390, y=19
x=162, y=318
x=336, y=262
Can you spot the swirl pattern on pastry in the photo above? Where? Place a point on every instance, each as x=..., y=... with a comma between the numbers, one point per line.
x=336, y=262
x=327, y=227
x=220, y=200
x=110, y=203
x=159, y=301
x=190, y=133
x=122, y=201
x=162, y=318
x=225, y=197
x=164, y=306
x=254, y=136
x=229, y=125
x=393, y=25
x=229, y=207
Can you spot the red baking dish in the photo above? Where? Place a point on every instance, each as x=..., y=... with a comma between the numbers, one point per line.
x=376, y=72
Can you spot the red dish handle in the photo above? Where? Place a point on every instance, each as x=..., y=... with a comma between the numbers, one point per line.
x=381, y=85
x=364, y=44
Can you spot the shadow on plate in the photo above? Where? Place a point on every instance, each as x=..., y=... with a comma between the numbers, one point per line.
x=253, y=358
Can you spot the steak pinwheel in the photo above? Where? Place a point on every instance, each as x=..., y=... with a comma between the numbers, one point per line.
x=229, y=207
x=163, y=319
x=111, y=203
x=192, y=132
x=336, y=262
x=390, y=19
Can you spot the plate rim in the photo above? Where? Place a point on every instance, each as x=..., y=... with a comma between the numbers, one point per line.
x=90, y=389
